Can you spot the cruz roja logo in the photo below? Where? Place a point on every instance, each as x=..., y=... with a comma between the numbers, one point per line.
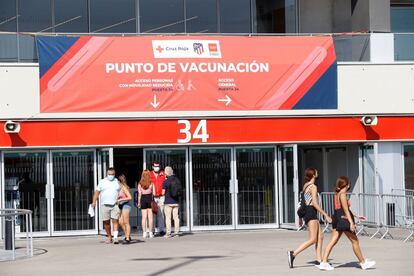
x=186, y=48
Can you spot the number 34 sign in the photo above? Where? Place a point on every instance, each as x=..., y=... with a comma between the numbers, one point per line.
x=186, y=134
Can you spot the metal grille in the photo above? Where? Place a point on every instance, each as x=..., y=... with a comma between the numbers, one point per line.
x=255, y=174
x=25, y=185
x=73, y=178
x=211, y=195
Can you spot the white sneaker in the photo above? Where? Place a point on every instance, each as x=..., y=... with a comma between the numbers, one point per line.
x=151, y=235
x=145, y=235
x=367, y=264
x=325, y=266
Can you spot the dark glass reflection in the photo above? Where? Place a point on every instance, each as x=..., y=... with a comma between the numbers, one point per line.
x=409, y=166
x=8, y=18
x=402, y=19
x=35, y=16
x=113, y=16
x=235, y=16
x=201, y=16
x=212, y=205
x=8, y=23
x=256, y=185
x=25, y=179
x=71, y=16
x=73, y=179
x=162, y=16
x=278, y=16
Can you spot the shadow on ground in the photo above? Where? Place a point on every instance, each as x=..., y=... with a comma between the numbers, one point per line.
x=184, y=261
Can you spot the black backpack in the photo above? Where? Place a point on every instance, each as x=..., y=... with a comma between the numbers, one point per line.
x=175, y=188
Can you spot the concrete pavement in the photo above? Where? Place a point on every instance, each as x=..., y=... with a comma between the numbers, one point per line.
x=215, y=253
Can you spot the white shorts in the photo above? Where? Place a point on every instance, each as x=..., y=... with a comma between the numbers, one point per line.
x=110, y=212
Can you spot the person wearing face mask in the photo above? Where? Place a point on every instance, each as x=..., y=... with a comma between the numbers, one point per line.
x=157, y=180
x=107, y=191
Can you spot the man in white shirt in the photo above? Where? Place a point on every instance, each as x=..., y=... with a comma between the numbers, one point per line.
x=108, y=190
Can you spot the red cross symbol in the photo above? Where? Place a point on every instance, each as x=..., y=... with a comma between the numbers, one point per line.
x=159, y=49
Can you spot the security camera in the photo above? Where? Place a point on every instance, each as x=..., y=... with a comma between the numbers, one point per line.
x=11, y=127
x=369, y=120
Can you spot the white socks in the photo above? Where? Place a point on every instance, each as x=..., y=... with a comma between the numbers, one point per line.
x=115, y=234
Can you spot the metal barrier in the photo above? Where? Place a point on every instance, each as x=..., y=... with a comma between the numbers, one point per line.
x=382, y=212
x=397, y=211
x=8, y=218
x=369, y=207
x=406, y=192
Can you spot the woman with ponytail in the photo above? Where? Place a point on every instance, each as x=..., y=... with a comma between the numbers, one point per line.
x=310, y=191
x=343, y=222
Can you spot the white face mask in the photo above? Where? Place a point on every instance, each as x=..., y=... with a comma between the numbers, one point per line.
x=156, y=169
x=111, y=177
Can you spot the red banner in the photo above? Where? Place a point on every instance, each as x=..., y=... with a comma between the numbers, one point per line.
x=135, y=74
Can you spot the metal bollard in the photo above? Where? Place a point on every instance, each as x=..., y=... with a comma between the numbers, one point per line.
x=8, y=237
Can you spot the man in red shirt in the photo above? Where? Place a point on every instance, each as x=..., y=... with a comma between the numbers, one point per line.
x=157, y=179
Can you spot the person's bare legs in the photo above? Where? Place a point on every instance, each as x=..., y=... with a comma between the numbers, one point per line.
x=318, y=245
x=144, y=221
x=355, y=245
x=126, y=225
x=115, y=224
x=313, y=227
x=150, y=220
x=121, y=221
x=334, y=240
x=107, y=226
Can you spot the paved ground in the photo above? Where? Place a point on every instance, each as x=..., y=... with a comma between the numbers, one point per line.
x=225, y=253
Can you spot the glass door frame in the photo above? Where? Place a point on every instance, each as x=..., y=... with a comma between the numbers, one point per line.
x=281, y=223
x=361, y=157
x=187, y=175
x=46, y=233
x=232, y=189
x=94, y=231
x=276, y=191
x=100, y=175
x=403, y=176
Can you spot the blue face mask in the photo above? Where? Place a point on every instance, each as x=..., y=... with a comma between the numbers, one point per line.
x=111, y=177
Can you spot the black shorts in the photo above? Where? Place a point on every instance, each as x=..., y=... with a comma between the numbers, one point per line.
x=311, y=214
x=338, y=215
x=146, y=201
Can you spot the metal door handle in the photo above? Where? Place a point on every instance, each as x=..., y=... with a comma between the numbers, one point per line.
x=52, y=191
x=47, y=191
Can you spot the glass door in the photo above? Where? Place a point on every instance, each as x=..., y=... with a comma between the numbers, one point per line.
x=368, y=168
x=73, y=176
x=288, y=184
x=25, y=185
x=105, y=157
x=212, y=188
x=255, y=187
x=177, y=159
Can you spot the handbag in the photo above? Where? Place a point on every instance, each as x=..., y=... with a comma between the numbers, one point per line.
x=302, y=206
x=154, y=206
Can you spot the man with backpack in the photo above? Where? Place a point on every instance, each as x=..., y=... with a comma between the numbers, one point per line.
x=172, y=190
